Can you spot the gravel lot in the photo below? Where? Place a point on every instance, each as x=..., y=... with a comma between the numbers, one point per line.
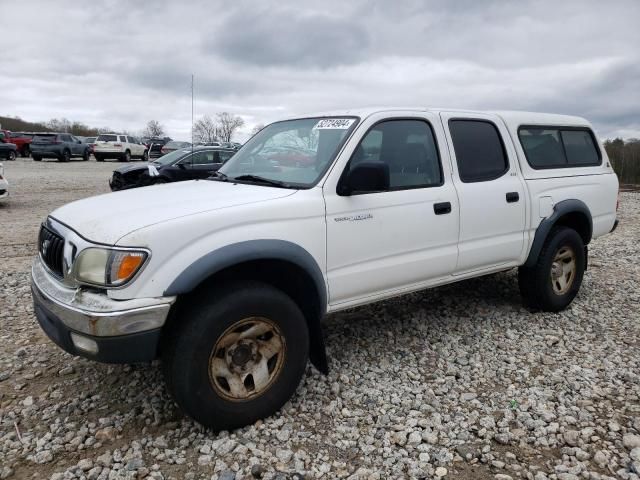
x=456, y=382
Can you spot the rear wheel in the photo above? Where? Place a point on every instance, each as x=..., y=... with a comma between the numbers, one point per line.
x=126, y=157
x=145, y=156
x=66, y=156
x=11, y=155
x=236, y=356
x=554, y=281
x=85, y=156
x=26, y=151
x=36, y=158
x=98, y=158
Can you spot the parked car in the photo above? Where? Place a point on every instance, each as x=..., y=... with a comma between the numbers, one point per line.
x=91, y=141
x=179, y=165
x=228, y=279
x=8, y=151
x=119, y=146
x=155, y=144
x=4, y=185
x=173, y=145
x=21, y=140
x=62, y=146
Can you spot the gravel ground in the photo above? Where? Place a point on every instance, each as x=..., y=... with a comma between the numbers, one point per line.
x=456, y=382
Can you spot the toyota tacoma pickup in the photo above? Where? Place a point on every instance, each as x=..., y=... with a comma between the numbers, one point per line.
x=227, y=279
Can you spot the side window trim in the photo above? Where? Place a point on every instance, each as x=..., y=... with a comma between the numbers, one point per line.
x=560, y=129
x=502, y=145
x=397, y=189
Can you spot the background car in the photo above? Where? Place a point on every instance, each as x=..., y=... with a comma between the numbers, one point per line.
x=173, y=145
x=119, y=146
x=62, y=146
x=22, y=141
x=8, y=150
x=154, y=145
x=91, y=141
x=4, y=185
x=183, y=164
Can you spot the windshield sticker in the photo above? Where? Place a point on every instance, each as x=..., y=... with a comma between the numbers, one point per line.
x=334, y=123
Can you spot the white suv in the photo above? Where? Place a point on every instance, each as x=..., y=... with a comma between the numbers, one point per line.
x=227, y=280
x=122, y=147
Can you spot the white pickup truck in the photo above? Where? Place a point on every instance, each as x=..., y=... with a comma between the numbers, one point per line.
x=228, y=279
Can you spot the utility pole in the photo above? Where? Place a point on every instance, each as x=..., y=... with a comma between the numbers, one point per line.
x=192, y=115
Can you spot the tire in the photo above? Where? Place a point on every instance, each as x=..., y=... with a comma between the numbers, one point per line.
x=145, y=156
x=98, y=158
x=11, y=155
x=194, y=346
x=85, y=156
x=36, y=158
x=554, y=281
x=66, y=156
x=25, y=152
x=126, y=157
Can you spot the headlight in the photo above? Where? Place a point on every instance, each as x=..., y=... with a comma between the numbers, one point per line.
x=106, y=267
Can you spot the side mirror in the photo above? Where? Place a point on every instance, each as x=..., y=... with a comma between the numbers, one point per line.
x=365, y=177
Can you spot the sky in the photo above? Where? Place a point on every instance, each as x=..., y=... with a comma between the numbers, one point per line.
x=119, y=63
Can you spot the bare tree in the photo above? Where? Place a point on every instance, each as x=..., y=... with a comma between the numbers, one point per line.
x=257, y=128
x=59, y=125
x=227, y=124
x=153, y=129
x=205, y=130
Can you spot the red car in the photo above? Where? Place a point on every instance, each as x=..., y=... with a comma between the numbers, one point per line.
x=21, y=140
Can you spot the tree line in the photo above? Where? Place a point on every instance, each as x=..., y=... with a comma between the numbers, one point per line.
x=625, y=158
x=218, y=129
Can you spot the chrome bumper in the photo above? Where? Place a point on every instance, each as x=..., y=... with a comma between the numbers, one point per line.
x=94, y=313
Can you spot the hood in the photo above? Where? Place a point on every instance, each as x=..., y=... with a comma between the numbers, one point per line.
x=107, y=218
x=133, y=166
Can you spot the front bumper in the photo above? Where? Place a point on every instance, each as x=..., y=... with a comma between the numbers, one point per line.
x=116, y=331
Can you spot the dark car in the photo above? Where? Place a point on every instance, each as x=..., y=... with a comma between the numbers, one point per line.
x=172, y=146
x=62, y=146
x=8, y=150
x=155, y=144
x=179, y=165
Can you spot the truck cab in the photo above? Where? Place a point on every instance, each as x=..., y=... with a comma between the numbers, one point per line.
x=227, y=279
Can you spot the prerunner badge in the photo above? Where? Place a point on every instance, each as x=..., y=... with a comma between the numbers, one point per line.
x=334, y=123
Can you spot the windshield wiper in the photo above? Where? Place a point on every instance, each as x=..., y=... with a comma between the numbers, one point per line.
x=218, y=176
x=259, y=179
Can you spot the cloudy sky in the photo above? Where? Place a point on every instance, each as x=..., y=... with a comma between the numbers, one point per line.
x=119, y=63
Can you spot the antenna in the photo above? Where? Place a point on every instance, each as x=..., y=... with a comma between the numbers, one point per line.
x=192, y=118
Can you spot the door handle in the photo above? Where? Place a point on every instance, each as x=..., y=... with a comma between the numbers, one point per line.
x=513, y=197
x=442, y=208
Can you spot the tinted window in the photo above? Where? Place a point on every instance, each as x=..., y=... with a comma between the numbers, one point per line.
x=203, y=158
x=66, y=138
x=557, y=147
x=107, y=138
x=407, y=147
x=479, y=150
x=123, y=138
x=224, y=156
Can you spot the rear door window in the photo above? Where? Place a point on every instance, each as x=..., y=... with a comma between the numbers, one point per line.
x=107, y=138
x=559, y=147
x=479, y=149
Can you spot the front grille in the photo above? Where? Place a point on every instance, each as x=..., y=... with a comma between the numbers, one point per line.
x=51, y=246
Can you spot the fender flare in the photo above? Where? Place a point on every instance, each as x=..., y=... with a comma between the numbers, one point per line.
x=542, y=232
x=263, y=249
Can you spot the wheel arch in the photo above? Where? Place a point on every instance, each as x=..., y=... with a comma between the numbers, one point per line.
x=285, y=265
x=571, y=213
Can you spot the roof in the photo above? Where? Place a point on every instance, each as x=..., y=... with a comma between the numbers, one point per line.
x=509, y=116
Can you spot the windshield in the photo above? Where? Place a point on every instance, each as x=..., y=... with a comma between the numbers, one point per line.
x=296, y=152
x=171, y=157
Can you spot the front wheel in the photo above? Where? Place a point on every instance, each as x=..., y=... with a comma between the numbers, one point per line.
x=36, y=158
x=11, y=155
x=553, y=282
x=85, y=156
x=25, y=152
x=237, y=355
